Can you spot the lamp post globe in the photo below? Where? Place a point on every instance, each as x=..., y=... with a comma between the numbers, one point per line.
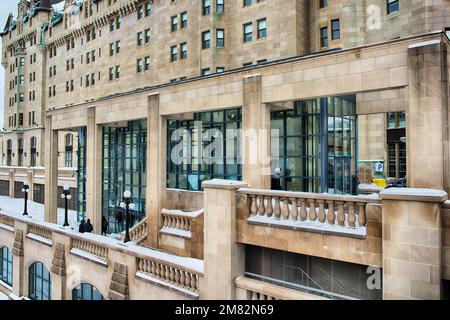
x=66, y=196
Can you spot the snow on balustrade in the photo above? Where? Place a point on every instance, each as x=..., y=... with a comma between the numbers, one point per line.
x=340, y=215
x=179, y=223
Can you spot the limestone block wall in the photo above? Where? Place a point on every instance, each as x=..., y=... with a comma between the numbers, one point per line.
x=445, y=211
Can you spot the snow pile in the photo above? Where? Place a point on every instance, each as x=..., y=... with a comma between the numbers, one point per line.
x=35, y=210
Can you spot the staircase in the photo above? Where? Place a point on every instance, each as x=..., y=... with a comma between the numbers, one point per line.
x=138, y=233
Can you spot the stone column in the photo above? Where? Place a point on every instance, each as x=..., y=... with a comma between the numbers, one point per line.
x=51, y=171
x=58, y=271
x=30, y=175
x=223, y=256
x=412, y=243
x=11, y=183
x=427, y=116
x=256, y=135
x=18, y=260
x=94, y=171
x=156, y=167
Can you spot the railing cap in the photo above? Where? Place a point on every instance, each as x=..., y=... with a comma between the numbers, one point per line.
x=223, y=184
x=414, y=194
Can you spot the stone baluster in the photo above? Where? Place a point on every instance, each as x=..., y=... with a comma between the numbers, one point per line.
x=362, y=220
x=312, y=211
x=181, y=223
x=183, y=279
x=254, y=206
x=321, y=214
x=351, y=217
x=277, y=210
x=294, y=209
x=269, y=209
x=285, y=208
x=331, y=216
x=261, y=207
x=341, y=214
x=303, y=212
x=254, y=295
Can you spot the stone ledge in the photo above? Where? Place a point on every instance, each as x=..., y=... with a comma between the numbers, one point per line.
x=224, y=184
x=417, y=195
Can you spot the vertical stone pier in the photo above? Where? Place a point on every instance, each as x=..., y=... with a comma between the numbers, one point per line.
x=412, y=243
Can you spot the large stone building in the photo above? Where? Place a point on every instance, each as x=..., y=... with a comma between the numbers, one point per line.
x=134, y=92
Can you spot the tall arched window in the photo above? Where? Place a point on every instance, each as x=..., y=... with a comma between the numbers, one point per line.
x=20, y=152
x=85, y=291
x=6, y=266
x=40, y=284
x=9, y=152
x=68, y=150
x=33, y=151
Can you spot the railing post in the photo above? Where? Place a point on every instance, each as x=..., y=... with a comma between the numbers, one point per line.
x=412, y=243
x=223, y=256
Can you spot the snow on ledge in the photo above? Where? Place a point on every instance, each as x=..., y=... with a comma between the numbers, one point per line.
x=88, y=256
x=189, y=214
x=39, y=238
x=309, y=226
x=424, y=44
x=6, y=227
x=162, y=283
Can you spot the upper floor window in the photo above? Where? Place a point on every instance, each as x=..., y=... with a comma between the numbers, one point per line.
x=392, y=6
x=247, y=3
x=323, y=3
x=324, y=37
x=335, y=29
x=139, y=39
x=248, y=35
x=148, y=8
x=220, y=38
x=86, y=291
x=262, y=28
x=183, y=49
x=173, y=53
x=6, y=266
x=206, y=7
x=148, y=36
x=140, y=12
x=206, y=40
x=184, y=20
x=174, y=23
x=206, y=72
x=39, y=282
x=220, y=7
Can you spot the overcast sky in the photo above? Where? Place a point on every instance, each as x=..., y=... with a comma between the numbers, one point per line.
x=6, y=6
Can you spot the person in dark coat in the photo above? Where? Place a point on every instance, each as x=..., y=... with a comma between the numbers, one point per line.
x=119, y=220
x=89, y=227
x=276, y=180
x=104, y=225
x=82, y=227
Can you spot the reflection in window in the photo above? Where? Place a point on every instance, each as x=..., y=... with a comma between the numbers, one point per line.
x=39, y=284
x=317, y=136
x=6, y=266
x=86, y=291
x=124, y=169
x=189, y=160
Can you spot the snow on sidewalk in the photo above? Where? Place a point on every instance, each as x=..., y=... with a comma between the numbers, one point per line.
x=35, y=210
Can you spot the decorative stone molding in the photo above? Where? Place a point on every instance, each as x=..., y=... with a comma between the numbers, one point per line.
x=118, y=289
x=18, y=243
x=59, y=260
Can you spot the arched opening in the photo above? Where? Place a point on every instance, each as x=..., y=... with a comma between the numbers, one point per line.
x=85, y=291
x=40, y=284
x=6, y=266
x=9, y=152
x=33, y=151
x=20, y=152
x=68, y=151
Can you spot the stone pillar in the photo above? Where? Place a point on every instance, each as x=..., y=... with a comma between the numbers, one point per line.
x=412, y=243
x=18, y=260
x=51, y=172
x=156, y=168
x=223, y=256
x=94, y=171
x=256, y=135
x=11, y=183
x=427, y=116
x=30, y=175
x=59, y=272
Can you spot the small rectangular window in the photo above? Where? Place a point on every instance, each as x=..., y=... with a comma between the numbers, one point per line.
x=335, y=29
x=248, y=35
x=262, y=28
x=392, y=6
x=206, y=40
x=206, y=7
x=173, y=53
x=324, y=37
x=220, y=38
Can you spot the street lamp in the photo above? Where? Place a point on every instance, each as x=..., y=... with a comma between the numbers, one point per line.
x=127, y=205
x=25, y=190
x=66, y=196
